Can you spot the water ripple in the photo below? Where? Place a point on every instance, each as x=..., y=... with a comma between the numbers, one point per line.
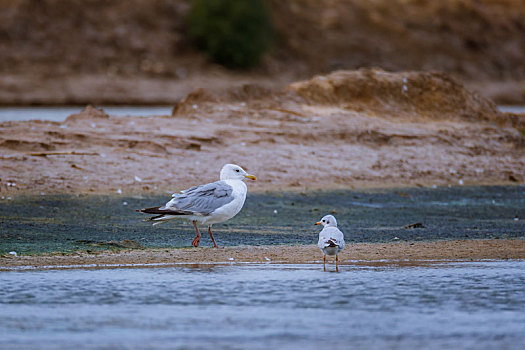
x=459, y=305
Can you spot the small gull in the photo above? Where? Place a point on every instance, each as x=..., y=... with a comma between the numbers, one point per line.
x=331, y=240
x=208, y=204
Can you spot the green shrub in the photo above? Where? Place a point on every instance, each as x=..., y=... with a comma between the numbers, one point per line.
x=234, y=33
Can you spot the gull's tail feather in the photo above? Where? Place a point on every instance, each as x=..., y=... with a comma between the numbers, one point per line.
x=154, y=218
x=162, y=215
x=330, y=243
x=162, y=212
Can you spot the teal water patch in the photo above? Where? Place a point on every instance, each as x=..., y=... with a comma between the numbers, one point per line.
x=67, y=223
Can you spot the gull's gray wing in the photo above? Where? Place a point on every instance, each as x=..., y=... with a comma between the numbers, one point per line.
x=203, y=199
x=330, y=236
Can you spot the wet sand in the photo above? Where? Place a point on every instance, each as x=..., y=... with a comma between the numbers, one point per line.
x=402, y=253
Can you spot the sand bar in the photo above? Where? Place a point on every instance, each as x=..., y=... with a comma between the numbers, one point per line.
x=402, y=253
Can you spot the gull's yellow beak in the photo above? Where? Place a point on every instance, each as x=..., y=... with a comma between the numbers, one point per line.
x=251, y=177
x=318, y=223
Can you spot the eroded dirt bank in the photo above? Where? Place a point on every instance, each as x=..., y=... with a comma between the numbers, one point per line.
x=346, y=129
x=403, y=253
x=138, y=51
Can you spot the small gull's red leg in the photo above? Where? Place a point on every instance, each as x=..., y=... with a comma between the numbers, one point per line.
x=197, y=238
x=211, y=235
x=324, y=262
x=336, y=263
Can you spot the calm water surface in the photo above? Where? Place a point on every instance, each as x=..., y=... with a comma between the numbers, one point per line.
x=458, y=306
x=59, y=114
x=512, y=109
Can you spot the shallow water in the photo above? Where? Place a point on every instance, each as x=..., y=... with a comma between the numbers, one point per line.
x=458, y=305
x=59, y=114
x=512, y=109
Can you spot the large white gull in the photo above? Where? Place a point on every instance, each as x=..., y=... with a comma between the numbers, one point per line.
x=331, y=239
x=208, y=204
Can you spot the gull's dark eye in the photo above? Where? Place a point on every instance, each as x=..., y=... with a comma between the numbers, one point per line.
x=323, y=220
x=237, y=170
x=328, y=222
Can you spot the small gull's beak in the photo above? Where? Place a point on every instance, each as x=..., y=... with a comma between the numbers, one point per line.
x=318, y=223
x=251, y=177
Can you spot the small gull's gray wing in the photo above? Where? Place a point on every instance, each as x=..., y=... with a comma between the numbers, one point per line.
x=203, y=199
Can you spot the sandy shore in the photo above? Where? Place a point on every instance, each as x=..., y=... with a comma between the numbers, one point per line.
x=402, y=253
x=366, y=128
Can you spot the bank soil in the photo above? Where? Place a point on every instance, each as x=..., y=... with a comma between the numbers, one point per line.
x=366, y=128
x=139, y=51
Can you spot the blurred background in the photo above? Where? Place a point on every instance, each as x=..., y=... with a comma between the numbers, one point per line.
x=55, y=52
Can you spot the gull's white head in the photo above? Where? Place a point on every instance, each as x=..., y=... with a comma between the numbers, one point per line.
x=327, y=221
x=235, y=172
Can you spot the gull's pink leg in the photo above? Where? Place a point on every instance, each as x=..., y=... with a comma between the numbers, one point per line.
x=324, y=262
x=211, y=235
x=197, y=238
x=337, y=263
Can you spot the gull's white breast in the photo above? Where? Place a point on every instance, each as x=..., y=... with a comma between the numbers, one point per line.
x=231, y=209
